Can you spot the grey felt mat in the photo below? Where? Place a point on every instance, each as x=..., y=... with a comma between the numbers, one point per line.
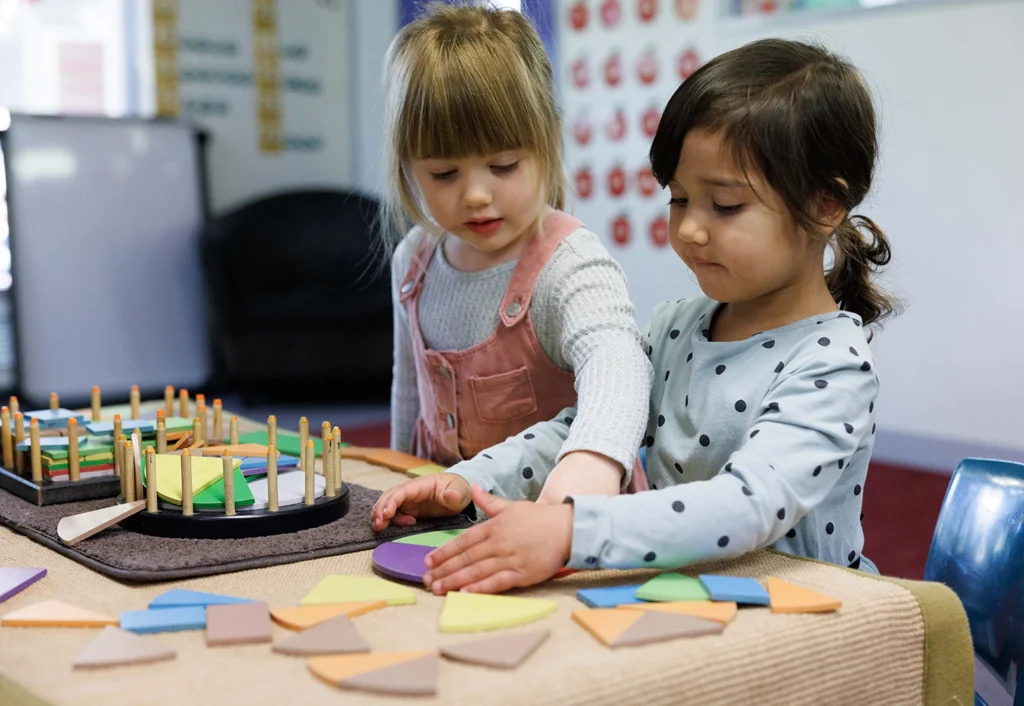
x=139, y=558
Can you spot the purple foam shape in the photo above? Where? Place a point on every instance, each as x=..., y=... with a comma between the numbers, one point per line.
x=401, y=561
x=16, y=579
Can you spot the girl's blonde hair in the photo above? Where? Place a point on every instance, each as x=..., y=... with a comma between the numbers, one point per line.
x=466, y=81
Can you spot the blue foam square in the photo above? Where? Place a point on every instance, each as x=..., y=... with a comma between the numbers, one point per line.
x=608, y=597
x=738, y=589
x=182, y=598
x=164, y=620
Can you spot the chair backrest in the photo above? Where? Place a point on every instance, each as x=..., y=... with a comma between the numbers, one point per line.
x=978, y=551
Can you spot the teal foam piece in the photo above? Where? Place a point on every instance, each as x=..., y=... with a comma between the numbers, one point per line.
x=608, y=597
x=50, y=442
x=182, y=598
x=51, y=418
x=745, y=591
x=127, y=427
x=164, y=620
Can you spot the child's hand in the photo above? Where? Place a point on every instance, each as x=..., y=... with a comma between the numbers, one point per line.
x=522, y=543
x=581, y=473
x=441, y=495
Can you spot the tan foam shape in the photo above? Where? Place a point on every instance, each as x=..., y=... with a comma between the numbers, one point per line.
x=335, y=636
x=74, y=528
x=415, y=678
x=787, y=597
x=56, y=614
x=659, y=627
x=499, y=652
x=395, y=460
x=724, y=612
x=306, y=616
x=114, y=647
x=337, y=668
x=606, y=624
x=237, y=624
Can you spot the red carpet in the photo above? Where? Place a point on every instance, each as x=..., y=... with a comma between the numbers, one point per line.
x=901, y=507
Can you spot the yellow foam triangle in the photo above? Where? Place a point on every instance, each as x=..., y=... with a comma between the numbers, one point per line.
x=306, y=616
x=337, y=668
x=607, y=624
x=787, y=597
x=56, y=614
x=470, y=612
x=721, y=612
x=205, y=472
x=339, y=588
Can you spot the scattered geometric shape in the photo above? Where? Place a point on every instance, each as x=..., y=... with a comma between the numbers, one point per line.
x=340, y=588
x=622, y=627
x=238, y=624
x=182, y=598
x=15, y=579
x=472, y=612
x=114, y=647
x=404, y=673
x=722, y=612
x=739, y=589
x=609, y=597
x=787, y=597
x=401, y=561
x=291, y=489
x=164, y=619
x=436, y=538
x=74, y=528
x=335, y=636
x=673, y=587
x=428, y=470
x=396, y=460
x=306, y=616
x=498, y=652
x=56, y=614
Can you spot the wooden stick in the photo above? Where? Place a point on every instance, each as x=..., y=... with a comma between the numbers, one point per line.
x=136, y=451
x=337, y=458
x=309, y=462
x=218, y=421
x=13, y=404
x=134, y=400
x=54, y=401
x=233, y=431
x=151, y=481
x=5, y=437
x=127, y=471
x=201, y=414
x=118, y=434
x=169, y=400
x=19, y=436
x=183, y=402
x=161, y=436
x=200, y=398
x=37, y=458
x=329, y=489
x=186, y=483
x=272, y=478
x=118, y=460
x=229, y=485
x=74, y=472
x=97, y=407
x=272, y=431
x=303, y=437
x=197, y=432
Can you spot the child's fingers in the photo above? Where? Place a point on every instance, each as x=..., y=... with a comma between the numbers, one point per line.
x=475, y=572
x=455, y=547
x=491, y=505
x=402, y=520
x=497, y=582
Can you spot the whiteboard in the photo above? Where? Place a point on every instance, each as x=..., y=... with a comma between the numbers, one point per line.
x=105, y=217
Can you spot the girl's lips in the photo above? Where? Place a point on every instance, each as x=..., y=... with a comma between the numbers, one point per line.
x=484, y=227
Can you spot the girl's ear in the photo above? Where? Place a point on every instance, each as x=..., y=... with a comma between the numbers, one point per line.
x=830, y=210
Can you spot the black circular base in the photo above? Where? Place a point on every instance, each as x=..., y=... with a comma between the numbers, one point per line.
x=208, y=524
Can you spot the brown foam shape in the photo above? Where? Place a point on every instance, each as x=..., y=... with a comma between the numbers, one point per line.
x=414, y=678
x=335, y=636
x=499, y=652
x=237, y=624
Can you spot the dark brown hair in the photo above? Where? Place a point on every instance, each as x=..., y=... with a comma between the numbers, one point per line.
x=803, y=118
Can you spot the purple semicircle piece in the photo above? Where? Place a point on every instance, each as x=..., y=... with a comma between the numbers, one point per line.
x=401, y=561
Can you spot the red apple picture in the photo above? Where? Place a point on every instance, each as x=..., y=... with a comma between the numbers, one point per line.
x=584, y=182
x=646, y=184
x=582, y=130
x=611, y=13
x=580, y=73
x=649, y=121
x=647, y=67
x=646, y=10
x=617, y=181
x=620, y=230
x=686, y=9
x=689, y=61
x=615, y=128
x=578, y=15
x=613, y=69
x=659, y=231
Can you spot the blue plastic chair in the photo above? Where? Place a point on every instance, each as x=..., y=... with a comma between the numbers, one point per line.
x=978, y=551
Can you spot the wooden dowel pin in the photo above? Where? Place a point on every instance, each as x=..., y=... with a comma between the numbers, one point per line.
x=272, y=478
x=325, y=433
x=183, y=403
x=328, y=461
x=136, y=450
x=54, y=401
x=186, y=483
x=5, y=437
x=233, y=431
x=201, y=416
x=37, y=458
x=309, y=463
x=19, y=436
x=229, y=485
x=218, y=421
x=127, y=471
x=97, y=407
x=161, y=436
x=169, y=400
x=119, y=459
x=118, y=434
x=74, y=472
x=272, y=431
x=303, y=437
x=337, y=458
x=151, y=481
x=13, y=404
x=135, y=401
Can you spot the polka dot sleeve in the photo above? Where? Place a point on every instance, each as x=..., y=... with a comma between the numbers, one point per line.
x=812, y=420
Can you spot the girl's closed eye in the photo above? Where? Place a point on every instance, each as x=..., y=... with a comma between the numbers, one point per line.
x=505, y=168
x=444, y=176
x=678, y=202
x=728, y=210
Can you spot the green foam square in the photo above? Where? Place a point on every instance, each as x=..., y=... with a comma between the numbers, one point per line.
x=673, y=587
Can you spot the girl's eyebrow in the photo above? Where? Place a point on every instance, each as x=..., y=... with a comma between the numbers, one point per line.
x=725, y=182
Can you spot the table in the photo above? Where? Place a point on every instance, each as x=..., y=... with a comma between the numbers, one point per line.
x=893, y=642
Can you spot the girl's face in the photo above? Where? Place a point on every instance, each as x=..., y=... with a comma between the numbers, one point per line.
x=737, y=237
x=491, y=203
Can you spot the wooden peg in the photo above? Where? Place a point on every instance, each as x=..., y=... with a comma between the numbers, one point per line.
x=309, y=463
x=118, y=453
x=233, y=431
x=325, y=430
x=337, y=458
x=19, y=436
x=200, y=398
x=218, y=421
x=183, y=402
x=328, y=466
x=229, y=485
x=97, y=407
x=5, y=437
x=161, y=436
x=74, y=471
x=272, y=431
x=197, y=432
x=54, y=401
x=127, y=471
x=37, y=457
x=201, y=415
x=186, y=483
x=151, y=481
x=135, y=401
x=13, y=404
x=169, y=400
x=272, y=478
x=303, y=437
x=136, y=450
x=118, y=430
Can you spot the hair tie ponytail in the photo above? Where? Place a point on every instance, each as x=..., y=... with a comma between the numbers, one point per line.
x=856, y=259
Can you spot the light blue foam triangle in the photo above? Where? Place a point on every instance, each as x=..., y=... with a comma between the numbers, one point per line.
x=182, y=598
